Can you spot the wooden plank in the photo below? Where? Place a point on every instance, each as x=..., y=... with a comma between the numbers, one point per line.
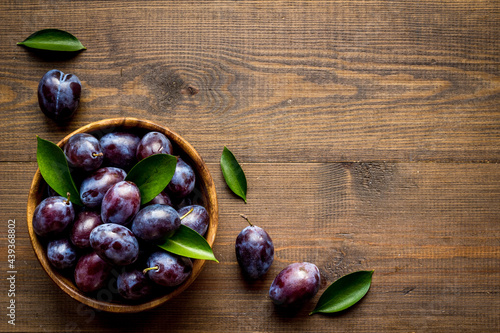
x=429, y=230
x=323, y=81
x=331, y=106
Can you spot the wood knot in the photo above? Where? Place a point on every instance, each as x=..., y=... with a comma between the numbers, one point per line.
x=189, y=91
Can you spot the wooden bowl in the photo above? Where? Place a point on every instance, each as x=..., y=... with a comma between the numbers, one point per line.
x=208, y=198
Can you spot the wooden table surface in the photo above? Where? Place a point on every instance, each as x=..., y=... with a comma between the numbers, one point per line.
x=369, y=132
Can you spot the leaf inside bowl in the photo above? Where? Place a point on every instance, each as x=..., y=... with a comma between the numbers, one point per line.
x=55, y=170
x=152, y=175
x=188, y=243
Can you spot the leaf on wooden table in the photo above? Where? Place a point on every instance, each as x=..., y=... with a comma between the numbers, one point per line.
x=344, y=292
x=53, y=40
x=233, y=174
x=55, y=170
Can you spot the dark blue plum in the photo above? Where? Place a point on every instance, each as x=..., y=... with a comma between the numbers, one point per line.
x=134, y=285
x=59, y=95
x=295, y=284
x=121, y=203
x=51, y=192
x=183, y=181
x=154, y=222
x=52, y=216
x=120, y=149
x=85, y=222
x=91, y=272
x=84, y=151
x=254, y=251
x=197, y=220
x=61, y=253
x=162, y=199
x=167, y=269
x=153, y=143
x=94, y=187
x=115, y=244
x=187, y=201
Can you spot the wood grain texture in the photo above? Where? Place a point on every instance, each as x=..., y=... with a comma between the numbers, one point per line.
x=377, y=80
x=369, y=132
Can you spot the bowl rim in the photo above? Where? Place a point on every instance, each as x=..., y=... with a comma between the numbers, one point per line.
x=202, y=172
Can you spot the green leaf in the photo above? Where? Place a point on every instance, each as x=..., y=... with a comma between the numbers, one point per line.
x=344, y=292
x=53, y=40
x=233, y=174
x=188, y=243
x=55, y=171
x=152, y=175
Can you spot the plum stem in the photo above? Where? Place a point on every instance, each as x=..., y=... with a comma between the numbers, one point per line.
x=97, y=154
x=67, y=200
x=183, y=216
x=246, y=218
x=149, y=269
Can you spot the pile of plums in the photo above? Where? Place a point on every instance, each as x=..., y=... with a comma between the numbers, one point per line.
x=113, y=239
